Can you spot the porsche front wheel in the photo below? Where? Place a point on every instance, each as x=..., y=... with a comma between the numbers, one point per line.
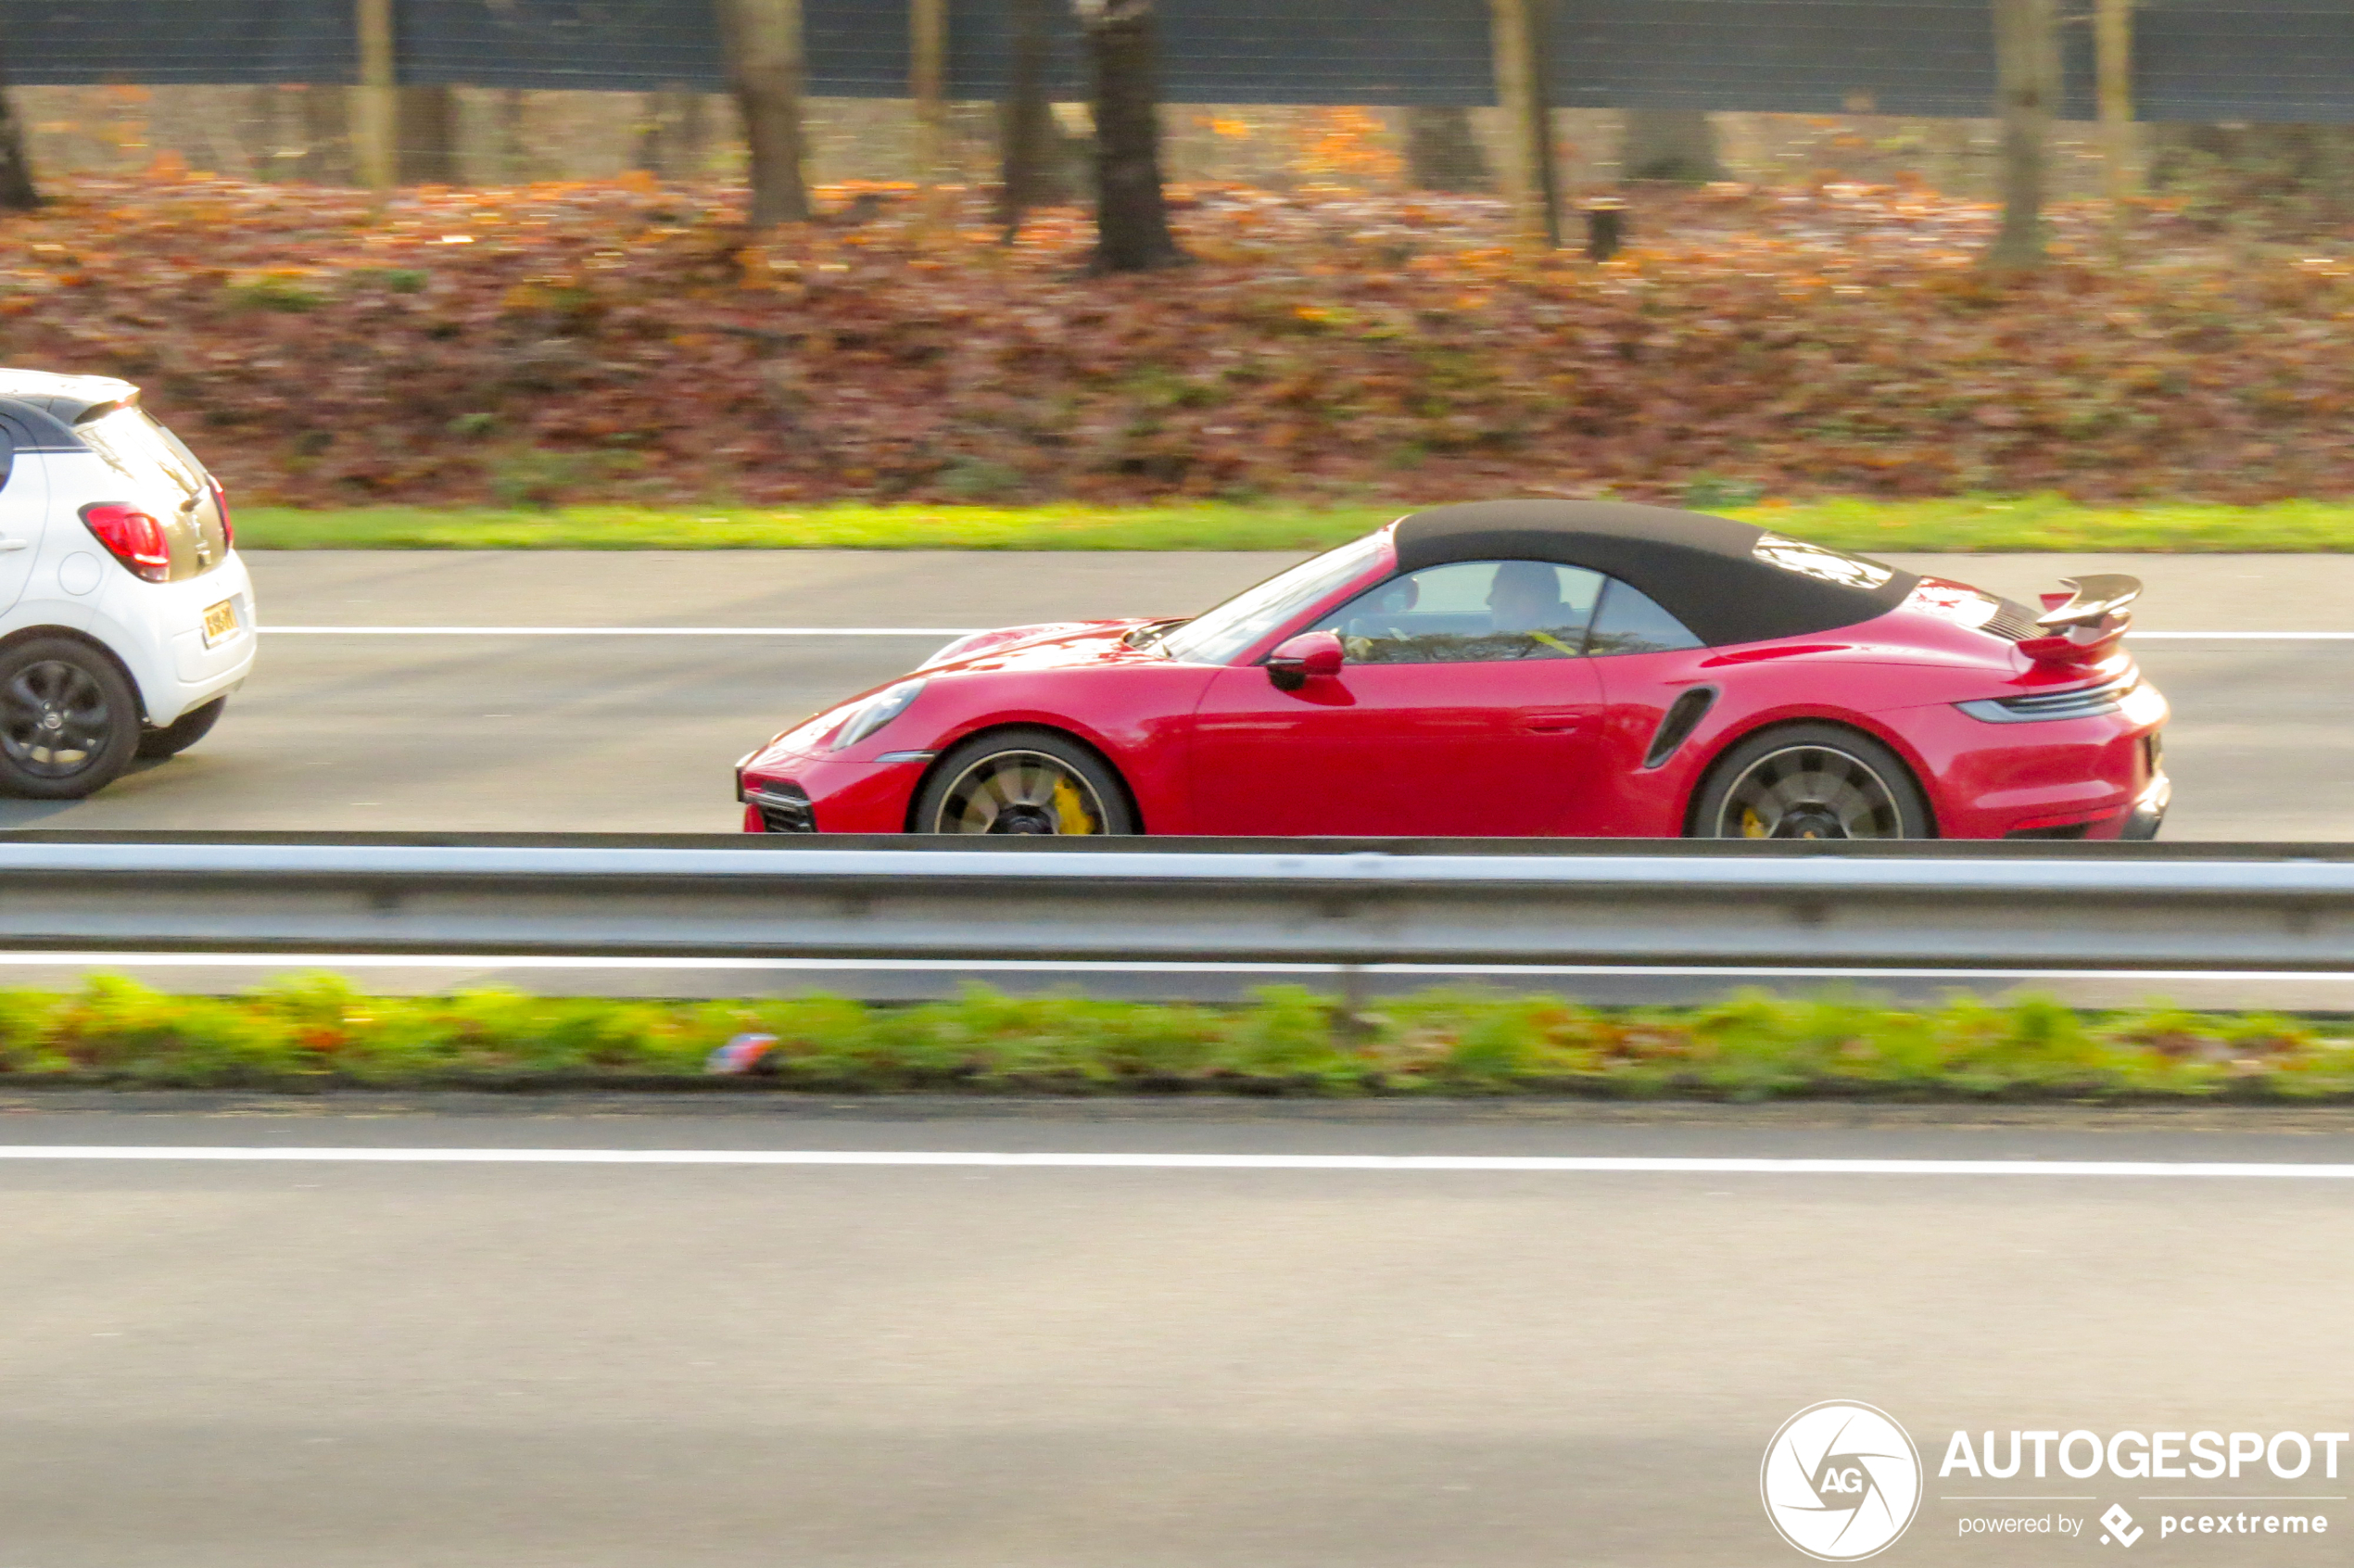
x=1812, y=781
x=1022, y=782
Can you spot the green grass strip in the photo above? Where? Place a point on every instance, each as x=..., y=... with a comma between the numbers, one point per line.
x=317, y=1032
x=1972, y=522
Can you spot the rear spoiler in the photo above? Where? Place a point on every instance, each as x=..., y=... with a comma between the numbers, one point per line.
x=2085, y=624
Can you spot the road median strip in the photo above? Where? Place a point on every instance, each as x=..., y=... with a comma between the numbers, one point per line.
x=318, y=1032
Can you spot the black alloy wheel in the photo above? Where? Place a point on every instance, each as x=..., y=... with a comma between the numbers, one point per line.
x=69, y=723
x=1812, y=781
x=1029, y=781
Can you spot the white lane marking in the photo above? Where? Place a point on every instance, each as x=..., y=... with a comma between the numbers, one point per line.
x=1553, y=1164
x=2243, y=636
x=620, y=631
x=35, y=958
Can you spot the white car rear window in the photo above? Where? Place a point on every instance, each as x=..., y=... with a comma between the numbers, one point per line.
x=142, y=452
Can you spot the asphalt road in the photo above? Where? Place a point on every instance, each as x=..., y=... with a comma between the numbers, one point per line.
x=339, y=1365
x=524, y=733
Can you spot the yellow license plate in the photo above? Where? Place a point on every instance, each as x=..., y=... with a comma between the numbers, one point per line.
x=220, y=621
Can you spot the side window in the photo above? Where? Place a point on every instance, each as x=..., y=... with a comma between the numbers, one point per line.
x=1631, y=622
x=1470, y=611
x=8, y=453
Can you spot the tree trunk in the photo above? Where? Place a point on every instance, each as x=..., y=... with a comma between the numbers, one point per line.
x=514, y=149
x=258, y=124
x=1531, y=179
x=2113, y=66
x=927, y=85
x=429, y=134
x=1670, y=144
x=374, y=100
x=17, y=193
x=1131, y=216
x=326, y=137
x=2027, y=62
x=763, y=41
x=1025, y=120
x=672, y=133
x=1441, y=152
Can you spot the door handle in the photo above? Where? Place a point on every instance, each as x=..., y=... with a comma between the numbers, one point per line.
x=8, y=545
x=1552, y=724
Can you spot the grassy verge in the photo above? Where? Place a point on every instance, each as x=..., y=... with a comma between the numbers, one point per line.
x=317, y=1032
x=1981, y=524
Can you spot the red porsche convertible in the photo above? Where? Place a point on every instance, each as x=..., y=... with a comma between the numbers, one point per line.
x=1516, y=668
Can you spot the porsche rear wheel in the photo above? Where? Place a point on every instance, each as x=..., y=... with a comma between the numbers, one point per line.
x=1025, y=781
x=1812, y=781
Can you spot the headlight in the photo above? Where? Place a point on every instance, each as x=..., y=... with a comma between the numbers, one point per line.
x=874, y=713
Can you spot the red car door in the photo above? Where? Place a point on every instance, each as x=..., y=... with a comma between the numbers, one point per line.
x=1463, y=709
x=1658, y=690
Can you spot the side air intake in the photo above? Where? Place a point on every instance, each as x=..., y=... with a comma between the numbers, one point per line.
x=1676, y=725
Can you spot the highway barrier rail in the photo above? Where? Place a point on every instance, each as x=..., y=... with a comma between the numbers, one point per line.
x=2023, y=906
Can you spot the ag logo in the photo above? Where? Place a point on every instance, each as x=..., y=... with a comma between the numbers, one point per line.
x=1840, y=1480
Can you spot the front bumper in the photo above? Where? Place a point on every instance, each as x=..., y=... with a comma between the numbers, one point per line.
x=798, y=794
x=2149, y=811
x=775, y=806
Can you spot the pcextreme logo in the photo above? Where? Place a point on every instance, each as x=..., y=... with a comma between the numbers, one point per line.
x=1841, y=1481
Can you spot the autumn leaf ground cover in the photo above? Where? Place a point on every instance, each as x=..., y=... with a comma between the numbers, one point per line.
x=630, y=346
x=317, y=1032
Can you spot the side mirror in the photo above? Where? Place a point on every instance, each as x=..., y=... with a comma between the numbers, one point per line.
x=1308, y=655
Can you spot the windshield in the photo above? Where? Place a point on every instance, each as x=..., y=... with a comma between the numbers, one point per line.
x=1216, y=636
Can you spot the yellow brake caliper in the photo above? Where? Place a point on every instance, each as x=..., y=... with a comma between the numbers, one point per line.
x=1753, y=825
x=1071, y=812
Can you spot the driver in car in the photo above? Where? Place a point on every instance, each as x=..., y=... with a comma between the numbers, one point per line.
x=1526, y=597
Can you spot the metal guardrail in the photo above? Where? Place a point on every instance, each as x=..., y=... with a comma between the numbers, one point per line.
x=2059, y=906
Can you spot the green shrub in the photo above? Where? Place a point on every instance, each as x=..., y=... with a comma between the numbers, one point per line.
x=276, y=291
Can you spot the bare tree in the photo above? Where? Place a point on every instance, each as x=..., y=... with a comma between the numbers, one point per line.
x=1131, y=215
x=1025, y=121
x=1532, y=174
x=672, y=133
x=325, y=129
x=1441, y=152
x=1678, y=145
x=428, y=143
x=2028, y=86
x=763, y=41
x=17, y=193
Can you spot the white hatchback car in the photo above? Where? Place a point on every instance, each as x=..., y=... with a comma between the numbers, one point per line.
x=126, y=618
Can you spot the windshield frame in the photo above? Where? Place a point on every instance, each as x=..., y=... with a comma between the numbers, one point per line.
x=1376, y=561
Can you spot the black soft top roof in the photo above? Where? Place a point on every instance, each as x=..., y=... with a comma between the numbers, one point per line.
x=1705, y=571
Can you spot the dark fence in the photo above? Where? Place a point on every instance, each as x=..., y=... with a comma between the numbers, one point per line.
x=2201, y=60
